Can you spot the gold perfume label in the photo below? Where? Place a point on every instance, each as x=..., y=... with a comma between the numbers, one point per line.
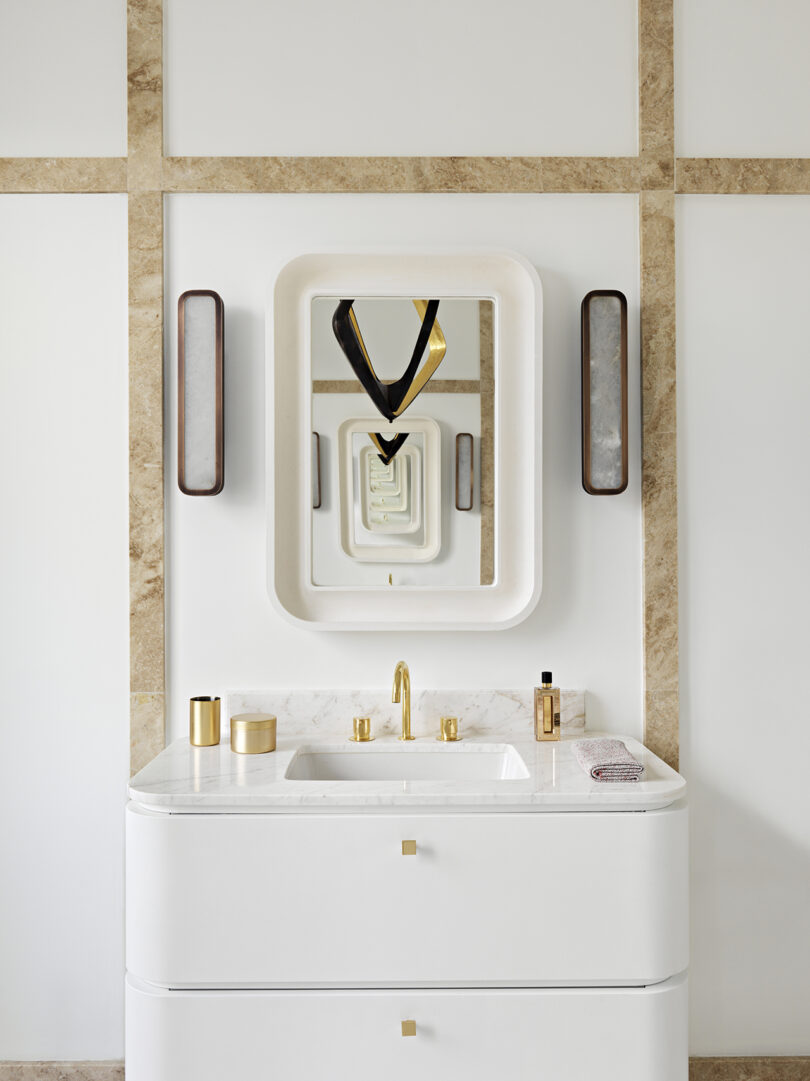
x=548, y=714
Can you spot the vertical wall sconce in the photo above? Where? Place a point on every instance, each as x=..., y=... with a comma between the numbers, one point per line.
x=464, y=471
x=604, y=392
x=200, y=421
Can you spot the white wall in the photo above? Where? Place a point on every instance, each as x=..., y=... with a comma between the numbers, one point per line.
x=741, y=83
x=63, y=78
x=64, y=664
x=744, y=394
x=222, y=631
x=545, y=78
x=422, y=77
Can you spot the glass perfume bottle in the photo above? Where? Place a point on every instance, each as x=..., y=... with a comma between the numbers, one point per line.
x=546, y=710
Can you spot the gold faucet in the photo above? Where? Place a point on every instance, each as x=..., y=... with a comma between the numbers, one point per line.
x=402, y=691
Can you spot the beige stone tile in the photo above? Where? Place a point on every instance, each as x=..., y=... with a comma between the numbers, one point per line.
x=656, y=81
x=94, y=175
x=740, y=176
x=146, y=560
x=661, y=725
x=145, y=220
x=146, y=380
x=146, y=444
x=146, y=729
x=658, y=358
x=659, y=482
x=772, y=1068
x=145, y=287
x=590, y=174
x=61, y=1071
x=660, y=533
x=400, y=174
x=144, y=94
x=146, y=622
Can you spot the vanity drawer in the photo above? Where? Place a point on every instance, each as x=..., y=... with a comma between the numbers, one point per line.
x=631, y=1034
x=331, y=900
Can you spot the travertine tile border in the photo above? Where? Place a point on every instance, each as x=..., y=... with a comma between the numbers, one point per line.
x=146, y=533
x=700, y=1069
x=743, y=176
x=62, y=1071
x=769, y=1068
x=61, y=175
x=392, y=175
x=654, y=174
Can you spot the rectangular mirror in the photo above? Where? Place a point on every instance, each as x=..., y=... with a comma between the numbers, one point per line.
x=378, y=363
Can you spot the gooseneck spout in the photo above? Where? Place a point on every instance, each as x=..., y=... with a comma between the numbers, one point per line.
x=402, y=692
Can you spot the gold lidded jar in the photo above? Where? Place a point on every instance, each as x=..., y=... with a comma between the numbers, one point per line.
x=253, y=733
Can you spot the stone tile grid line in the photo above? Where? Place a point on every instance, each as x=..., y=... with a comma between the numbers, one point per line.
x=753, y=1068
x=146, y=489
x=62, y=1071
x=762, y=1068
x=655, y=174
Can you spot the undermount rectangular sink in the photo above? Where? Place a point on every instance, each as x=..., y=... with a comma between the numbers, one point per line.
x=394, y=762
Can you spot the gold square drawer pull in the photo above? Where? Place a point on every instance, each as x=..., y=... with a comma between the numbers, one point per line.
x=408, y=1028
x=408, y=849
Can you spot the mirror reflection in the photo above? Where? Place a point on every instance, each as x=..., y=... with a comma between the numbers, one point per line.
x=395, y=381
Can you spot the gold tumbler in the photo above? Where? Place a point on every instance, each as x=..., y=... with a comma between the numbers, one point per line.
x=253, y=733
x=203, y=728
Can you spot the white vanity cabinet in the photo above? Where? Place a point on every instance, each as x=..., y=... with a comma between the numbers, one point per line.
x=332, y=945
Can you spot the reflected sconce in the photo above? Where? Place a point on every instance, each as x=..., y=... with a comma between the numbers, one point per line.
x=464, y=471
x=604, y=392
x=317, y=496
x=200, y=420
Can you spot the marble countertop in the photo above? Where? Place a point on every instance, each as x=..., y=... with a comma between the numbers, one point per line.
x=214, y=780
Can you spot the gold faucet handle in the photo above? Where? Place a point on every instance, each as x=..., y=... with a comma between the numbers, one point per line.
x=362, y=730
x=448, y=730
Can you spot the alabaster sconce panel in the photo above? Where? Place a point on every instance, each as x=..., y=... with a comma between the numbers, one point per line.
x=604, y=393
x=200, y=391
x=404, y=434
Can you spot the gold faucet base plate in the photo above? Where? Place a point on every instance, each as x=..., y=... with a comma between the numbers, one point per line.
x=363, y=739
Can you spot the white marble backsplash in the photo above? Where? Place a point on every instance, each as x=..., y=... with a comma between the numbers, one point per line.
x=307, y=714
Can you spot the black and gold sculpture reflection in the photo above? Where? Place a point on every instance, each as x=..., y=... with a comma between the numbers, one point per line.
x=393, y=398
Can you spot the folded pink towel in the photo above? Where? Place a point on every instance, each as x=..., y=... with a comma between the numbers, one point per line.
x=607, y=760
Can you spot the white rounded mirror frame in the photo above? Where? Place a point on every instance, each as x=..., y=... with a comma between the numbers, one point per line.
x=512, y=283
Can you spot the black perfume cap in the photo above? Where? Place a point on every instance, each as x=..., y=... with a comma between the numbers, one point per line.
x=547, y=677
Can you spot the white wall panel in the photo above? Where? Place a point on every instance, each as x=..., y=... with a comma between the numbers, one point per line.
x=427, y=77
x=63, y=78
x=744, y=396
x=742, y=82
x=222, y=630
x=64, y=668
